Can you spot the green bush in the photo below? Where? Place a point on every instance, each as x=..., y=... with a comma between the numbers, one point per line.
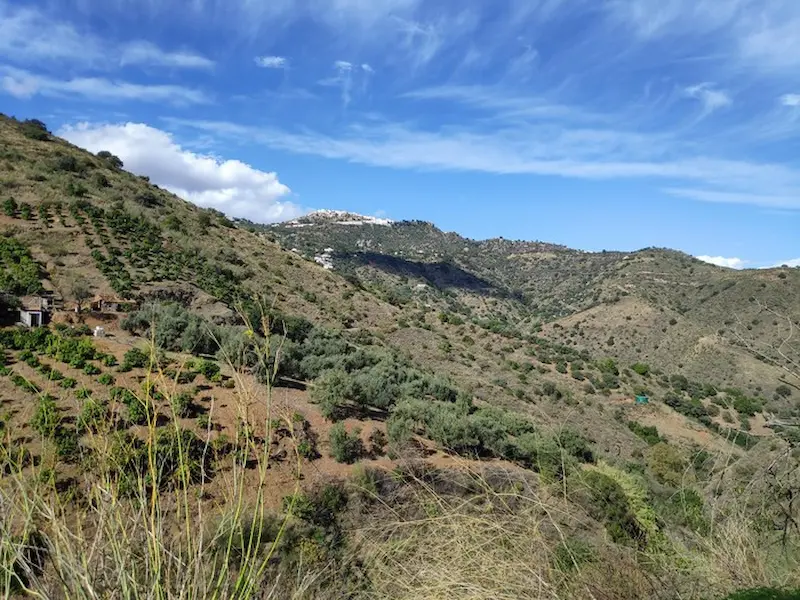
x=83, y=393
x=667, y=463
x=68, y=383
x=94, y=415
x=46, y=418
x=345, y=447
x=90, y=369
x=135, y=359
x=20, y=274
x=208, y=368
x=34, y=129
x=182, y=404
x=67, y=445
x=608, y=503
x=641, y=368
x=648, y=433
x=106, y=379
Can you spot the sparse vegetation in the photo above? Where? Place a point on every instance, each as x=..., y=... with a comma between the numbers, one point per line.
x=509, y=467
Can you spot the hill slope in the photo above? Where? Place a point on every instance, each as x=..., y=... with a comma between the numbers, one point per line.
x=489, y=383
x=654, y=305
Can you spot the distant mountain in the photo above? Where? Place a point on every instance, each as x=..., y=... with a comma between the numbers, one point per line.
x=654, y=304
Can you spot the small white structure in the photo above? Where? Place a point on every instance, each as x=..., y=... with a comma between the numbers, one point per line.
x=99, y=332
x=32, y=310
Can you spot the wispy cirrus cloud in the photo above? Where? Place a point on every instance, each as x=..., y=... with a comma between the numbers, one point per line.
x=24, y=84
x=711, y=99
x=342, y=79
x=759, y=35
x=272, y=62
x=598, y=154
x=143, y=53
x=792, y=100
x=32, y=36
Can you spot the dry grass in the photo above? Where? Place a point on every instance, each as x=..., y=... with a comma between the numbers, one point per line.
x=520, y=541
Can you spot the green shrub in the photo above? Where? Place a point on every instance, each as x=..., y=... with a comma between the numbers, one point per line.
x=667, y=464
x=46, y=418
x=90, y=369
x=135, y=359
x=83, y=393
x=68, y=383
x=182, y=404
x=208, y=368
x=345, y=447
x=642, y=369
x=608, y=503
x=106, y=379
x=67, y=446
x=94, y=414
x=648, y=433
x=34, y=129
x=747, y=406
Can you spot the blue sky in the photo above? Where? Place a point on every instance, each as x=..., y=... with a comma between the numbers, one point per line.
x=613, y=124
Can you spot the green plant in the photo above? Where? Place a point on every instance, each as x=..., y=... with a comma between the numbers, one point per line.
x=642, y=369
x=106, y=379
x=648, y=433
x=90, y=369
x=46, y=418
x=345, y=447
x=83, y=393
x=34, y=129
x=68, y=383
x=94, y=415
x=182, y=403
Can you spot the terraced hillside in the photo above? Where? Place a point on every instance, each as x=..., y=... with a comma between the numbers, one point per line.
x=287, y=408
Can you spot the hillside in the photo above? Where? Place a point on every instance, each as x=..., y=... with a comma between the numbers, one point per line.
x=656, y=306
x=320, y=408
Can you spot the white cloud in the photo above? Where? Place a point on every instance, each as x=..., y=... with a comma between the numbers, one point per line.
x=146, y=54
x=790, y=99
x=23, y=84
x=367, y=68
x=272, y=62
x=536, y=150
x=231, y=186
x=792, y=262
x=343, y=80
x=757, y=197
x=769, y=39
x=721, y=261
x=710, y=98
x=29, y=36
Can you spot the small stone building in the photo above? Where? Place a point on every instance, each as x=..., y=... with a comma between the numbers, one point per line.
x=33, y=310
